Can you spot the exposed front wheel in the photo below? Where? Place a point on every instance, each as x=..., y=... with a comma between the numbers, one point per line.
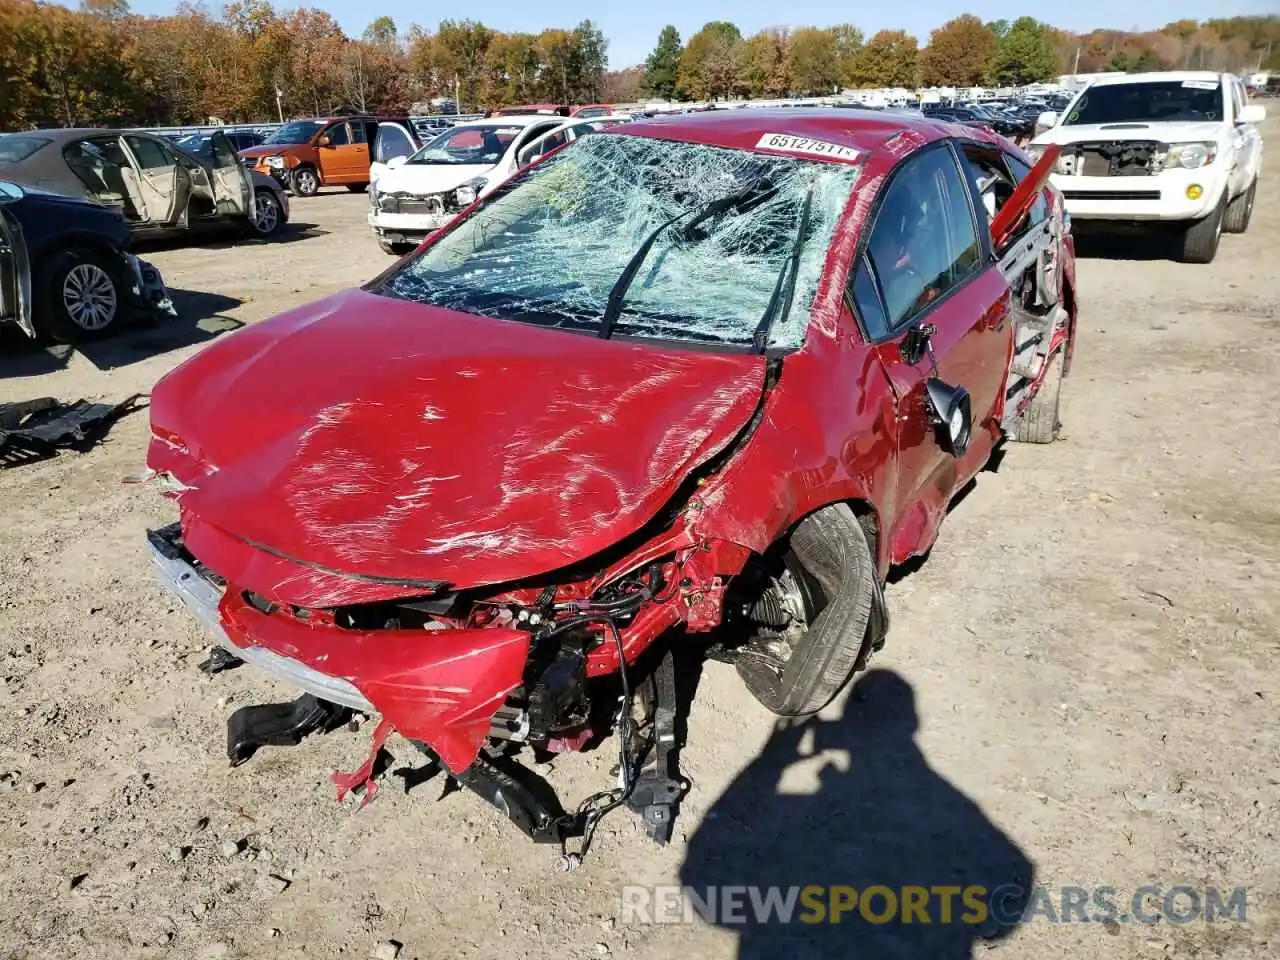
x=1240, y=211
x=268, y=217
x=304, y=182
x=80, y=296
x=818, y=606
x=1041, y=424
x=1200, y=241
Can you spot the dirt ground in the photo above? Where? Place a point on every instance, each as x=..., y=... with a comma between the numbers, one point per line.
x=1079, y=686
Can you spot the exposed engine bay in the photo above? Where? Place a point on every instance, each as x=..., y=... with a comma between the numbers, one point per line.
x=1118, y=158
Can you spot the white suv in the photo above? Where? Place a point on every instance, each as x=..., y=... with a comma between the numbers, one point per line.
x=1181, y=148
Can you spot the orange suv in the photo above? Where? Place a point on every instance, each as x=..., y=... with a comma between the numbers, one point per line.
x=305, y=155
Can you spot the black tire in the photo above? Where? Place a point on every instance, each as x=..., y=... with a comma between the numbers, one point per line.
x=261, y=223
x=304, y=181
x=396, y=249
x=831, y=547
x=98, y=277
x=357, y=187
x=1240, y=211
x=1200, y=241
x=1041, y=424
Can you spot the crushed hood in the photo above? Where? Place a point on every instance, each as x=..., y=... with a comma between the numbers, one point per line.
x=421, y=179
x=378, y=438
x=268, y=150
x=1165, y=132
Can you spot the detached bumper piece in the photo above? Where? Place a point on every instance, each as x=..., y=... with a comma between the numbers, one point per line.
x=35, y=429
x=279, y=725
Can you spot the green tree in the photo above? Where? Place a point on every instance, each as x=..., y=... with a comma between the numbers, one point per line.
x=382, y=32
x=114, y=10
x=710, y=65
x=812, y=62
x=764, y=64
x=1024, y=55
x=462, y=48
x=998, y=27
x=661, y=67
x=590, y=54
x=960, y=53
x=848, y=43
x=889, y=59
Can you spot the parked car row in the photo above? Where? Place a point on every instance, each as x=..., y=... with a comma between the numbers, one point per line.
x=411, y=195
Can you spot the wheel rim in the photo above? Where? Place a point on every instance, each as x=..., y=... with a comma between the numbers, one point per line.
x=89, y=297
x=306, y=182
x=266, y=213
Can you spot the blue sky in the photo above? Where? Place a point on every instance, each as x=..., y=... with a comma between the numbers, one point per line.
x=632, y=27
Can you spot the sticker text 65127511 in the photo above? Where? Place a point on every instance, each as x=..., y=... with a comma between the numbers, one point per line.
x=806, y=145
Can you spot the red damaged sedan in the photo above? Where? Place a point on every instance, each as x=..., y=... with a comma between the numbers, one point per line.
x=707, y=375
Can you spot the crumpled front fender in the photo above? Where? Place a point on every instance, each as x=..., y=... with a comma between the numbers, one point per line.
x=441, y=687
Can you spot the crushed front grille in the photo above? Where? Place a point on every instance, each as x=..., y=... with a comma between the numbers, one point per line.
x=1121, y=158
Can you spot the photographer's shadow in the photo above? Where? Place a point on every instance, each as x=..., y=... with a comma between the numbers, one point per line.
x=880, y=818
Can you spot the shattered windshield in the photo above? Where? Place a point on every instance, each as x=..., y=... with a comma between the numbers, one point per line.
x=299, y=131
x=1148, y=102
x=468, y=145
x=553, y=243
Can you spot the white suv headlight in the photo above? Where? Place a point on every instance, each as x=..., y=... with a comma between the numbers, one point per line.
x=467, y=193
x=1190, y=156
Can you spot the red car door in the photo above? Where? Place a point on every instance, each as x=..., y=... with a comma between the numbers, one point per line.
x=926, y=275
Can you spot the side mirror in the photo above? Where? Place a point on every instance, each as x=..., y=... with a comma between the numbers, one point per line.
x=951, y=415
x=1046, y=120
x=396, y=162
x=324, y=141
x=916, y=343
x=1253, y=113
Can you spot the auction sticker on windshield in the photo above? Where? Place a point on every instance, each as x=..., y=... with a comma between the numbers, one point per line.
x=1200, y=84
x=814, y=148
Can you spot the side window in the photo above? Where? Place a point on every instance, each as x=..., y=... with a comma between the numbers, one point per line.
x=152, y=155
x=538, y=130
x=923, y=243
x=224, y=151
x=1039, y=209
x=392, y=142
x=1237, y=99
x=97, y=164
x=866, y=300
x=357, y=132
x=337, y=135
x=992, y=182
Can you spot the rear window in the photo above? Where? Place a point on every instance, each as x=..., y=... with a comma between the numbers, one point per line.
x=15, y=147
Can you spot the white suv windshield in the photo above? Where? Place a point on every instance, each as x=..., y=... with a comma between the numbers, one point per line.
x=1173, y=100
x=748, y=239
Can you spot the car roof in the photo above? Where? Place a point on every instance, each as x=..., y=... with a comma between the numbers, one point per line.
x=866, y=131
x=1165, y=76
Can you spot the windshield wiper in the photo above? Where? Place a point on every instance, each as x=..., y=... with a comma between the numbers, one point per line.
x=613, y=308
x=784, y=291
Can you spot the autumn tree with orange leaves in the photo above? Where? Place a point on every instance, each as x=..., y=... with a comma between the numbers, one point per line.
x=960, y=53
x=105, y=65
